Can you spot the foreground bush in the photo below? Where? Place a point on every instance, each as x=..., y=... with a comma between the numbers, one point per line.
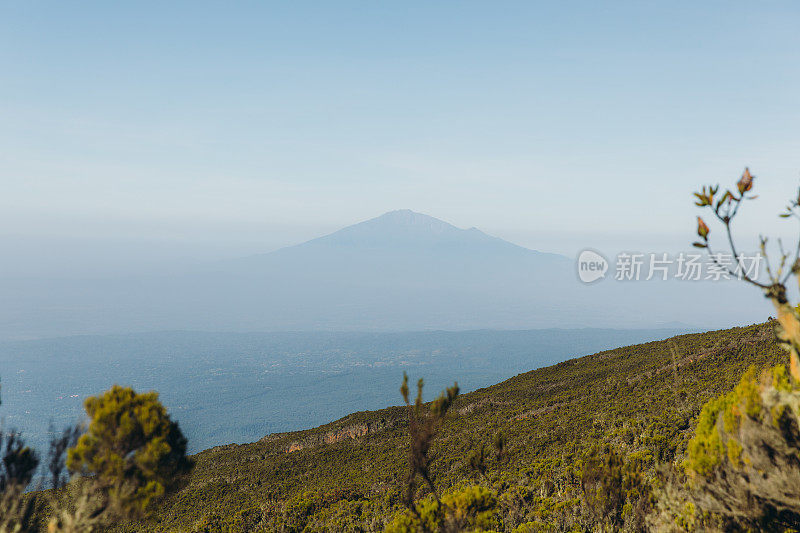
x=129, y=457
x=470, y=509
x=744, y=462
x=132, y=451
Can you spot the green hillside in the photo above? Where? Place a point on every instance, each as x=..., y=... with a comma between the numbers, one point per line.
x=642, y=400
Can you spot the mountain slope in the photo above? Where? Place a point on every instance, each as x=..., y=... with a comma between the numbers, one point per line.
x=347, y=475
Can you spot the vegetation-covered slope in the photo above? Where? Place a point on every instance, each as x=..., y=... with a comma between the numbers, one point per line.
x=642, y=400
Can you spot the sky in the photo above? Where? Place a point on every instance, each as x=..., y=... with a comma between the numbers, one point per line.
x=138, y=133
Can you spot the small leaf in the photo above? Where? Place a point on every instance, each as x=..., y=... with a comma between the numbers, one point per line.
x=699, y=245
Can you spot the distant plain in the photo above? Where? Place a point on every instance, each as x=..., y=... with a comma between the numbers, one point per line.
x=239, y=387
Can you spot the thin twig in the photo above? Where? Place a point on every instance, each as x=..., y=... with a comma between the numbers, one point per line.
x=744, y=275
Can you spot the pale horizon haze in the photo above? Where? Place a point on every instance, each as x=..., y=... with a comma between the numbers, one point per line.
x=135, y=135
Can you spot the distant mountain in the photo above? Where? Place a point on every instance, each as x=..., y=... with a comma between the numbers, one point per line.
x=405, y=229
x=400, y=271
x=405, y=232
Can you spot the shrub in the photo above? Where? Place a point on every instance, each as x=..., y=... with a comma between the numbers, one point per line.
x=132, y=451
x=744, y=461
x=472, y=508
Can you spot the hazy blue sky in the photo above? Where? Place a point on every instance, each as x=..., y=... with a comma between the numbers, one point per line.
x=238, y=127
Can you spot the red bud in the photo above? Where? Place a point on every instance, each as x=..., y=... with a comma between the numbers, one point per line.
x=702, y=229
x=745, y=182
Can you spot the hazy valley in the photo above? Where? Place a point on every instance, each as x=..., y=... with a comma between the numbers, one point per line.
x=230, y=387
x=402, y=271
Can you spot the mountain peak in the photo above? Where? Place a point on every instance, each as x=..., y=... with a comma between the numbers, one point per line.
x=399, y=213
x=404, y=229
x=408, y=219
